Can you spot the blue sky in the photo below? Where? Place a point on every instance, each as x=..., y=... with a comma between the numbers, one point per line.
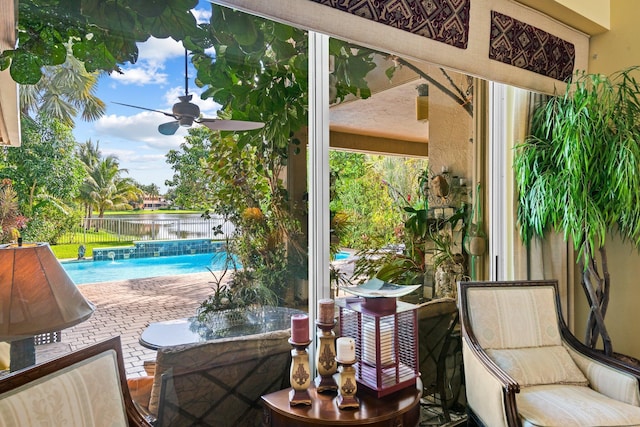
x=155, y=81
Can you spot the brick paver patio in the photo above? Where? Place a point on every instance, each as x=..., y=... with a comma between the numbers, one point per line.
x=126, y=307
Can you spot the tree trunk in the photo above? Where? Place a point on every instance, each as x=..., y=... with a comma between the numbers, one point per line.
x=596, y=288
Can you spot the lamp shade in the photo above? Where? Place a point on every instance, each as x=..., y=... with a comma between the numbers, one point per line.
x=36, y=294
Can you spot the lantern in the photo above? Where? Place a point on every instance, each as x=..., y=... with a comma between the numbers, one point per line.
x=386, y=335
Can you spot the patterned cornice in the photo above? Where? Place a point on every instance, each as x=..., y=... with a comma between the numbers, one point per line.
x=524, y=46
x=446, y=21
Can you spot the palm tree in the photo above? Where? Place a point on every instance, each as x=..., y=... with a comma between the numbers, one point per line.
x=63, y=92
x=89, y=154
x=106, y=188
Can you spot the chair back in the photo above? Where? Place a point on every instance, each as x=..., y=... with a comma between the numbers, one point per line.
x=436, y=318
x=219, y=383
x=504, y=315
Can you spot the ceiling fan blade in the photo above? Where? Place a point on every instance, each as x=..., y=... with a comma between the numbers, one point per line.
x=230, y=125
x=169, y=128
x=144, y=108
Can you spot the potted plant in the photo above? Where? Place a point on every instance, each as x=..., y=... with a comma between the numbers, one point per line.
x=428, y=247
x=577, y=173
x=232, y=299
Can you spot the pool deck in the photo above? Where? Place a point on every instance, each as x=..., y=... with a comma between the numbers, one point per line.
x=125, y=308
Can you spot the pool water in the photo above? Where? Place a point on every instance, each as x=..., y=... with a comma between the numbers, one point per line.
x=138, y=268
x=342, y=255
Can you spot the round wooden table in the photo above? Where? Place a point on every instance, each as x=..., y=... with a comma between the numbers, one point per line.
x=400, y=409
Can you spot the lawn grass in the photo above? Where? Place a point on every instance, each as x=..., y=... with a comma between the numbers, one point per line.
x=70, y=250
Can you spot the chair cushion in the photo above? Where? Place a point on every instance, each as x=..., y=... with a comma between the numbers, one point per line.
x=514, y=317
x=539, y=365
x=87, y=393
x=569, y=406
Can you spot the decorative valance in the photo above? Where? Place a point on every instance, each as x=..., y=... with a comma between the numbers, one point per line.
x=446, y=21
x=525, y=46
x=497, y=40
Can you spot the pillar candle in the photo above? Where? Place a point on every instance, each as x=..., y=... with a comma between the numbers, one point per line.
x=326, y=311
x=299, y=328
x=345, y=349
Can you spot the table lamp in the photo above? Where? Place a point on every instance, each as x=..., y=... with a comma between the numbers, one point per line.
x=36, y=296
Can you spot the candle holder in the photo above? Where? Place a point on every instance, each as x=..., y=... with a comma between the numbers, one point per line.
x=326, y=358
x=300, y=376
x=348, y=387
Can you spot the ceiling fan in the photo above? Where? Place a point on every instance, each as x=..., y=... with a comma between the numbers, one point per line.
x=186, y=113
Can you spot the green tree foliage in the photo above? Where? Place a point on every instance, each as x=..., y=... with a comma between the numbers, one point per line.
x=44, y=169
x=103, y=35
x=577, y=173
x=11, y=222
x=106, y=189
x=189, y=185
x=371, y=191
x=151, y=190
x=46, y=176
x=259, y=73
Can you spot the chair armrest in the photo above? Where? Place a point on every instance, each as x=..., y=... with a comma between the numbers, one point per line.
x=607, y=375
x=491, y=392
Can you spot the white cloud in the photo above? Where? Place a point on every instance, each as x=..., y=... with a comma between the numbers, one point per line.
x=141, y=128
x=140, y=76
x=202, y=15
x=148, y=161
x=152, y=57
x=156, y=51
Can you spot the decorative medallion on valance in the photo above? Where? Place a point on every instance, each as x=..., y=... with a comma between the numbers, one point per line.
x=524, y=46
x=446, y=21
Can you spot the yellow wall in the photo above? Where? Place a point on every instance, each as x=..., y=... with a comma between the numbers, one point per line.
x=609, y=52
x=589, y=16
x=623, y=314
x=617, y=48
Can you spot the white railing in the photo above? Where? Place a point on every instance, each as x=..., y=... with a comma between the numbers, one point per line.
x=97, y=230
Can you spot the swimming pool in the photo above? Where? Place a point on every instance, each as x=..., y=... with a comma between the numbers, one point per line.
x=342, y=255
x=138, y=268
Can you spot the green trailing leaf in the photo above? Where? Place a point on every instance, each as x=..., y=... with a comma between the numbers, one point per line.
x=578, y=173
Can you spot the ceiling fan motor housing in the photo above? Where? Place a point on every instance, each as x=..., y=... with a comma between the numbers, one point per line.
x=185, y=121
x=185, y=112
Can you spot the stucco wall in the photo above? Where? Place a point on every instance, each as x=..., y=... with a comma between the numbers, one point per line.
x=618, y=48
x=610, y=52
